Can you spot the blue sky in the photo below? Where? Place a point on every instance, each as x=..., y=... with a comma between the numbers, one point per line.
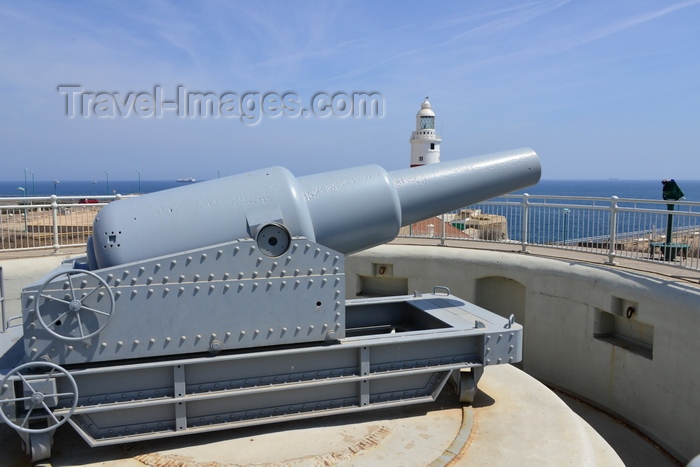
x=598, y=88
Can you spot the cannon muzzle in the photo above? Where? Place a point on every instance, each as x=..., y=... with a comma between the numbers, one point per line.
x=346, y=210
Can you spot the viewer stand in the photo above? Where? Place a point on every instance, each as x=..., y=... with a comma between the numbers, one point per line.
x=669, y=249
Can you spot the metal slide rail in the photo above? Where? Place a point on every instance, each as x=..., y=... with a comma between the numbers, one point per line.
x=634, y=229
x=208, y=394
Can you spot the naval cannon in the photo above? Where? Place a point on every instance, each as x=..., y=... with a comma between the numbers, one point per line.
x=222, y=304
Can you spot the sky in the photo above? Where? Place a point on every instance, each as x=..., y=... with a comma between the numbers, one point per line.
x=599, y=89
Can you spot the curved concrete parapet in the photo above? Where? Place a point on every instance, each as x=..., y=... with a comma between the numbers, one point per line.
x=625, y=340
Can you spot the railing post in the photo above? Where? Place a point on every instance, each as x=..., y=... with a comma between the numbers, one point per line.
x=2, y=302
x=54, y=217
x=442, y=230
x=613, y=231
x=526, y=208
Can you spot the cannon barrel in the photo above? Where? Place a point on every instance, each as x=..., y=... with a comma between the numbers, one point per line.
x=346, y=210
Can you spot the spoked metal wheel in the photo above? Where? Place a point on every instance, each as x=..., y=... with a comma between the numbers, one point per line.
x=72, y=310
x=39, y=397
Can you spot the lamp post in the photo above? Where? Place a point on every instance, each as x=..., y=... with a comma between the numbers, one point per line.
x=25, y=181
x=55, y=186
x=107, y=174
x=218, y=174
x=139, y=173
x=24, y=193
x=33, y=186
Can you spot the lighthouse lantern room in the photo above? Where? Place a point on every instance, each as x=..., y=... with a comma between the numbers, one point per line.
x=425, y=143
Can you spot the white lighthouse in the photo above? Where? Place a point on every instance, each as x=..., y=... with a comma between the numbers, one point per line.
x=425, y=143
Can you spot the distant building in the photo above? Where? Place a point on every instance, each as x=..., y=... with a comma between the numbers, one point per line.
x=425, y=143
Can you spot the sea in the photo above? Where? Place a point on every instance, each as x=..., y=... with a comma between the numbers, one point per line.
x=630, y=189
x=634, y=189
x=85, y=188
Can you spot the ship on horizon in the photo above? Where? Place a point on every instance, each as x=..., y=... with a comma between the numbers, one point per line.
x=186, y=180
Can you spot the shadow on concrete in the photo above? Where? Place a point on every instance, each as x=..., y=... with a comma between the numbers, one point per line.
x=481, y=399
x=632, y=446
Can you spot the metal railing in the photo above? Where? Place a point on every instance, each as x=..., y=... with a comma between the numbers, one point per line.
x=644, y=230
x=32, y=223
x=617, y=228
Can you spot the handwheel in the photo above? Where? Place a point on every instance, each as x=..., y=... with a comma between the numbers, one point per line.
x=72, y=313
x=41, y=389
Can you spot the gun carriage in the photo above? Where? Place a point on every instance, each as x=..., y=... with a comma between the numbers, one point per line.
x=222, y=304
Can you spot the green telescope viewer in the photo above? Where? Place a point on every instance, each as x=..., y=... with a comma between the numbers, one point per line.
x=671, y=190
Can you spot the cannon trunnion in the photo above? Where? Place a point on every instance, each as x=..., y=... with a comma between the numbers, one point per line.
x=222, y=304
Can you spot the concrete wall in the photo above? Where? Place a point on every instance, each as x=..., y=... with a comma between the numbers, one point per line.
x=578, y=335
